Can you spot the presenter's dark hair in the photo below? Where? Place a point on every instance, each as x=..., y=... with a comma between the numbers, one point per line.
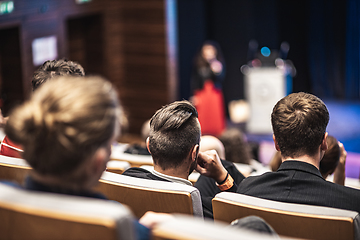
x=174, y=131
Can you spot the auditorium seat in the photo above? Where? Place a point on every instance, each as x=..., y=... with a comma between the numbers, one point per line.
x=289, y=219
x=37, y=215
x=143, y=195
x=117, y=166
x=13, y=169
x=135, y=160
x=187, y=228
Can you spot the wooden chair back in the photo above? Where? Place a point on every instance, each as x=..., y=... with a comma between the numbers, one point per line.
x=118, y=153
x=117, y=166
x=35, y=215
x=13, y=169
x=143, y=195
x=190, y=228
x=289, y=219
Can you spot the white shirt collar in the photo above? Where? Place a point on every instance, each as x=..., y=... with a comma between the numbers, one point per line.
x=171, y=178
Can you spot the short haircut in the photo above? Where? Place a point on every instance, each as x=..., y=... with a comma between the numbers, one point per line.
x=64, y=123
x=174, y=131
x=331, y=157
x=55, y=68
x=299, y=123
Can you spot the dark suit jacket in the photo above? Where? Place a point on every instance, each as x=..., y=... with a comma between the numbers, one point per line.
x=300, y=182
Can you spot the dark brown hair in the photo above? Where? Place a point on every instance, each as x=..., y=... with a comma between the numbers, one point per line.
x=55, y=68
x=236, y=148
x=299, y=123
x=174, y=131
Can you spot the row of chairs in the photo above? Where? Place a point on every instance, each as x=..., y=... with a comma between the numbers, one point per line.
x=141, y=195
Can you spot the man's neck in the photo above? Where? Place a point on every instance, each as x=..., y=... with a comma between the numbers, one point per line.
x=313, y=160
x=174, y=172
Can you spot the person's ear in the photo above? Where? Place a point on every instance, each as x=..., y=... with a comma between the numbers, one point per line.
x=100, y=161
x=324, y=145
x=276, y=144
x=195, y=152
x=148, y=144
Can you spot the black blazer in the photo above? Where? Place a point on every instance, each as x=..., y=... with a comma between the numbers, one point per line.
x=300, y=182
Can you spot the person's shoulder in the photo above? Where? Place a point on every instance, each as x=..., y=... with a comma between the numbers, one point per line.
x=141, y=173
x=258, y=179
x=135, y=171
x=233, y=171
x=345, y=189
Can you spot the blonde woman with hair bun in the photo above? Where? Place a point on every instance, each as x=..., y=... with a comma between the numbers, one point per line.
x=66, y=130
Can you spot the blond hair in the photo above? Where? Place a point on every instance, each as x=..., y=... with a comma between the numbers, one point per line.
x=64, y=123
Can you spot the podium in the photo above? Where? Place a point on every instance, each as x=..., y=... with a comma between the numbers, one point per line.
x=264, y=87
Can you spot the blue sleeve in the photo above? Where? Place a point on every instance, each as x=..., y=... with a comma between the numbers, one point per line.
x=142, y=232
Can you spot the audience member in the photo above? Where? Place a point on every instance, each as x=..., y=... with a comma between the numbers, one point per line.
x=49, y=70
x=66, y=130
x=334, y=160
x=140, y=148
x=236, y=148
x=299, y=123
x=239, y=151
x=173, y=142
x=208, y=142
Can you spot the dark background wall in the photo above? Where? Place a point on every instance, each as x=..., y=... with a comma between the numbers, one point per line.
x=315, y=30
x=122, y=40
x=127, y=42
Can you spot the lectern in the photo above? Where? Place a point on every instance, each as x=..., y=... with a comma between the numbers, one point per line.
x=264, y=86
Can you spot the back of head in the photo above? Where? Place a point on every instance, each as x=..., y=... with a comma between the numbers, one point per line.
x=236, y=148
x=209, y=142
x=56, y=68
x=299, y=123
x=331, y=157
x=174, y=131
x=64, y=123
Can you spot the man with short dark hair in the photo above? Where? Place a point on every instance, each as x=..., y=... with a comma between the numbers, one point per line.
x=56, y=68
x=299, y=123
x=49, y=70
x=173, y=142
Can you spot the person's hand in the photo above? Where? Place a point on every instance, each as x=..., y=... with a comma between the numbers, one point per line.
x=339, y=173
x=216, y=66
x=209, y=164
x=150, y=219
